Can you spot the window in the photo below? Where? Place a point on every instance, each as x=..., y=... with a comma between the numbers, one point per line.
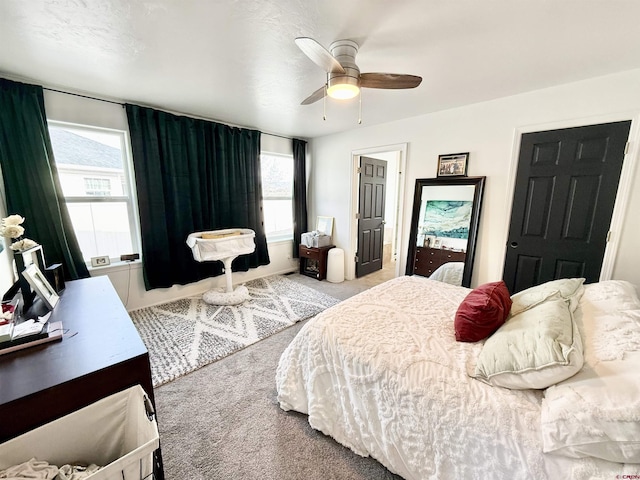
x=277, y=195
x=97, y=186
x=94, y=170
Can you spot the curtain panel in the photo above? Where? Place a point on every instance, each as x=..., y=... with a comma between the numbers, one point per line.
x=193, y=175
x=30, y=176
x=299, y=193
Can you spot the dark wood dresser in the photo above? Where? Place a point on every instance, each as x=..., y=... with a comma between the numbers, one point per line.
x=101, y=353
x=429, y=259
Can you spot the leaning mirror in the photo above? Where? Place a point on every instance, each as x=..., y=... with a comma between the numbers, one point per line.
x=444, y=226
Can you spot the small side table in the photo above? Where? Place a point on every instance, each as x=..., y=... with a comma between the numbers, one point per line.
x=313, y=261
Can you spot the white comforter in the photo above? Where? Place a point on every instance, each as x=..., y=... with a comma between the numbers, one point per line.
x=383, y=374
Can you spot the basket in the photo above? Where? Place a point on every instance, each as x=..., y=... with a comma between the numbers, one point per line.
x=220, y=244
x=119, y=433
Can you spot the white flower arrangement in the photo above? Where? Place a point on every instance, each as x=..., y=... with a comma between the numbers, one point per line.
x=12, y=228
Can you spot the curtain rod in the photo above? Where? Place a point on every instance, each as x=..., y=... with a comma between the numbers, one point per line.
x=122, y=104
x=83, y=96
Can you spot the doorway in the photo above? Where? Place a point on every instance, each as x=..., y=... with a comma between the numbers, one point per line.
x=373, y=174
x=395, y=156
x=565, y=190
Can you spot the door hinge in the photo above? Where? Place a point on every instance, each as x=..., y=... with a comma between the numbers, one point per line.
x=357, y=259
x=359, y=170
x=627, y=147
x=608, y=236
x=357, y=216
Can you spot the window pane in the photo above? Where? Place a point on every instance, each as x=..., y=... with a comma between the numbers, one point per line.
x=277, y=194
x=97, y=186
x=278, y=217
x=87, y=156
x=101, y=228
x=277, y=176
x=91, y=165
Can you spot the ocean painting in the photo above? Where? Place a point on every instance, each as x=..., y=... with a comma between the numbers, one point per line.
x=447, y=218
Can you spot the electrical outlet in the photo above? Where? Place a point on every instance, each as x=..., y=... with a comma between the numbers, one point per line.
x=100, y=261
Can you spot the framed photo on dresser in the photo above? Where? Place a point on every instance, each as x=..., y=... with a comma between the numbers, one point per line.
x=41, y=285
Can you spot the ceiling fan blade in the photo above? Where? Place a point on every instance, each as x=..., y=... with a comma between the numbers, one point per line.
x=319, y=55
x=315, y=96
x=389, y=80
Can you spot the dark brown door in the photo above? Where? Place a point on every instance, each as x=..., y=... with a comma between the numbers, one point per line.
x=564, y=194
x=373, y=181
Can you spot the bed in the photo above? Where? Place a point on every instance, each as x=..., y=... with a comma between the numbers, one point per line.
x=383, y=374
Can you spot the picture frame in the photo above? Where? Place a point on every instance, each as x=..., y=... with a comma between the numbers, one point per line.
x=41, y=285
x=453, y=165
x=325, y=225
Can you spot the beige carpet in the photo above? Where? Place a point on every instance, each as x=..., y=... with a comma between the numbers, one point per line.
x=223, y=421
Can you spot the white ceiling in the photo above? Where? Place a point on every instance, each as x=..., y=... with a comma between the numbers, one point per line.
x=235, y=61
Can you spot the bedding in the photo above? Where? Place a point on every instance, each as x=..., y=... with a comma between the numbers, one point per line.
x=536, y=348
x=383, y=374
x=569, y=289
x=596, y=413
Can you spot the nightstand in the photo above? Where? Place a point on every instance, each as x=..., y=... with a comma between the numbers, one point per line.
x=313, y=261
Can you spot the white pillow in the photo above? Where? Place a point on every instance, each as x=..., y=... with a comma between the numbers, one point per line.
x=538, y=347
x=596, y=413
x=567, y=288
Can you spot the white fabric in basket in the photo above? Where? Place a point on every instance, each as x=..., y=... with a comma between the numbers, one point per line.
x=114, y=432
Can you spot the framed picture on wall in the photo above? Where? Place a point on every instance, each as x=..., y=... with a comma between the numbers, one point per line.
x=453, y=165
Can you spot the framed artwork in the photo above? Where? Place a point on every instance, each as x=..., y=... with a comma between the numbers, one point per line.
x=453, y=165
x=325, y=225
x=447, y=218
x=41, y=285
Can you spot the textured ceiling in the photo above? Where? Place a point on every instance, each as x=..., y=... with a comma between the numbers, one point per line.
x=235, y=61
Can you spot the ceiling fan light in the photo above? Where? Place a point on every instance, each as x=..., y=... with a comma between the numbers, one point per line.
x=343, y=91
x=344, y=87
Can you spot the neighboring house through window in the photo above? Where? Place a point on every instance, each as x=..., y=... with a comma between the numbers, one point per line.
x=94, y=170
x=277, y=195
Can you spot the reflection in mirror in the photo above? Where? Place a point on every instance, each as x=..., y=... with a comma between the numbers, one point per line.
x=444, y=228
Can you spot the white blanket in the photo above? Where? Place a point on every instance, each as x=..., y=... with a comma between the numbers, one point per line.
x=383, y=375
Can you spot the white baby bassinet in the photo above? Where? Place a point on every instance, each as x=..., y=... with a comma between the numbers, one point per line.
x=225, y=246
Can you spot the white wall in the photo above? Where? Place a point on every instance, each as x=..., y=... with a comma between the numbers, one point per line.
x=490, y=131
x=127, y=277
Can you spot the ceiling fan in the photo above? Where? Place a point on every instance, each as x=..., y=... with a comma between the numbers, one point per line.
x=344, y=79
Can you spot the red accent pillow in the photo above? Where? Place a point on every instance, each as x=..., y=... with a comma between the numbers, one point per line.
x=482, y=312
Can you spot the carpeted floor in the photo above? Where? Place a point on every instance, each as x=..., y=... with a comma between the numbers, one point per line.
x=223, y=421
x=187, y=334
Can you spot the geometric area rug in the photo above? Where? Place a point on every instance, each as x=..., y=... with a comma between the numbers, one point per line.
x=186, y=334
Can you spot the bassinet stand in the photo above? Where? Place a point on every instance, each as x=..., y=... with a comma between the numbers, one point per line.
x=224, y=246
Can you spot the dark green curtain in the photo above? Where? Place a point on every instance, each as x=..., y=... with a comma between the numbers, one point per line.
x=193, y=175
x=31, y=179
x=299, y=193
